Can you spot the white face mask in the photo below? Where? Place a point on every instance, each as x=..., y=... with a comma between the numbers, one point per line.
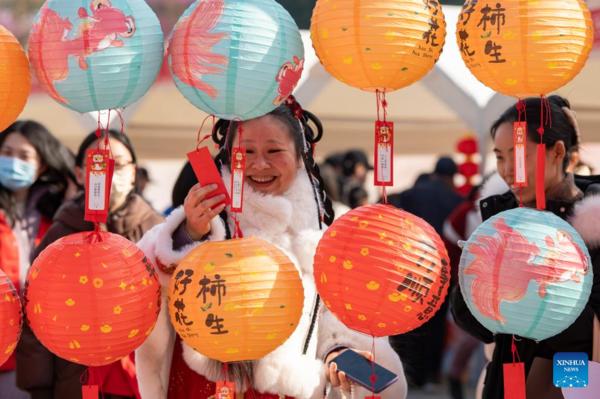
x=121, y=187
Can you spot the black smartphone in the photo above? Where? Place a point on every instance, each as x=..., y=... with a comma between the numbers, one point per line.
x=359, y=369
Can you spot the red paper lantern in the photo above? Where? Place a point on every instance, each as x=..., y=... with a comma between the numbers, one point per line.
x=382, y=271
x=11, y=318
x=467, y=146
x=468, y=169
x=92, y=298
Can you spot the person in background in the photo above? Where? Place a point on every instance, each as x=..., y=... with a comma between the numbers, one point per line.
x=331, y=181
x=433, y=198
x=575, y=199
x=36, y=176
x=355, y=168
x=43, y=374
x=357, y=197
x=143, y=179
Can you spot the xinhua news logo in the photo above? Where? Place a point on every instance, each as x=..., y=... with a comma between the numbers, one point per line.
x=571, y=370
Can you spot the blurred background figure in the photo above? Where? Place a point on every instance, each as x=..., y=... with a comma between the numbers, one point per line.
x=143, y=179
x=432, y=198
x=355, y=167
x=332, y=173
x=36, y=176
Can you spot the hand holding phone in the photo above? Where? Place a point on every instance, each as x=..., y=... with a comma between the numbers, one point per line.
x=360, y=370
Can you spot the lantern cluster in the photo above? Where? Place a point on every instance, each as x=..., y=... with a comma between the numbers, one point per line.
x=236, y=300
x=236, y=59
x=92, y=300
x=527, y=273
x=382, y=271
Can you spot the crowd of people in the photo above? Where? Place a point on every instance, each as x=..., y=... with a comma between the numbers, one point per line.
x=289, y=200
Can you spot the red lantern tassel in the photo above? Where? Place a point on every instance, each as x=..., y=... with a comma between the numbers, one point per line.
x=373, y=377
x=88, y=391
x=540, y=184
x=514, y=376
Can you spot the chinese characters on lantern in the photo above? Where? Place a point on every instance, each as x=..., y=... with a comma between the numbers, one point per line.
x=211, y=289
x=490, y=21
x=418, y=287
x=431, y=35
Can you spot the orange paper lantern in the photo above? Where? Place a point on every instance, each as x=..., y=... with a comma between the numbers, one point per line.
x=11, y=318
x=236, y=300
x=380, y=45
x=15, y=78
x=525, y=48
x=382, y=271
x=92, y=298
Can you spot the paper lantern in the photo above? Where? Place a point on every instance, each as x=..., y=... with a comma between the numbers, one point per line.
x=236, y=300
x=96, y=55
x=380, y=45
x=11, y=318
x=381, y=271
x=527, y=273
x=236, y=59
x=15, y=77
x=92, y=302
x=525, y=48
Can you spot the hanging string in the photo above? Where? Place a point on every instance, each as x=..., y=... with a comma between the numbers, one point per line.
x=238, y=230
x=200, y=141
x=382, y=105
x=515, y=353
x=373, y=377
x=545, y=119
x=521, y=107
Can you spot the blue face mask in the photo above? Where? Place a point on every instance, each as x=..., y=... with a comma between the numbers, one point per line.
x=16, y=174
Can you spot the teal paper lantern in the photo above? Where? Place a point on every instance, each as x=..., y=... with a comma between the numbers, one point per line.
x=527, y=273
x=93, y=55
x=236, y=58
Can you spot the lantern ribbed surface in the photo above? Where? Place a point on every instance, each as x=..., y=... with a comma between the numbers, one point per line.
x=236, y=59
x=15, y=78
x=381, y=271
x=96, y=55
x=11, y=318
x=378, y=44
x=92, y=303
x=525, y=48
x=236, y=300
x=526, y=272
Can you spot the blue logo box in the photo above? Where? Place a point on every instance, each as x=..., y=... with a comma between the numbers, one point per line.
x=571, y=370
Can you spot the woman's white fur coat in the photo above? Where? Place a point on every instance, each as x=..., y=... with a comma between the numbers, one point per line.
x=290, y=222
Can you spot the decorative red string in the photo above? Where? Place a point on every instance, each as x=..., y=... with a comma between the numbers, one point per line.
x=200, y=141
x=521, y=107
x=515, y=353
x=373, y=377
x=545, y=119
x=382, y=104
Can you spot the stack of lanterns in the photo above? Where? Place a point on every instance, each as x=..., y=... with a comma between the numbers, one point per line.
x=92, y=298
x=15, y=77
x=468, y=168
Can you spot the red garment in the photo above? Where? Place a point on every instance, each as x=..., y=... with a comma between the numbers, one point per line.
x=118, y=378
x=9, y=263
x=185, y=383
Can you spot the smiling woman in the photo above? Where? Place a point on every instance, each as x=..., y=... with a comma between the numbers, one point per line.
x=284, y=204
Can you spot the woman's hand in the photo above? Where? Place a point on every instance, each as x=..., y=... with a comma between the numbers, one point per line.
x=338, y=378
x=199, y=210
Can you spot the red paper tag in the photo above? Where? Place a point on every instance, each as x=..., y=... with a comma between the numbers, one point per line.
x=238, y=170
x=514, y=381
x=225, y=390
x=540, y=176
x=384, y=153
x=372, y=397
x=99, y=170
x=89, y=391
x=207, y=173
x=520, y=153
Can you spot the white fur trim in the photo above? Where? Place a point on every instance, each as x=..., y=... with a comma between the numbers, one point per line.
x=332, y=334
x=586, y=220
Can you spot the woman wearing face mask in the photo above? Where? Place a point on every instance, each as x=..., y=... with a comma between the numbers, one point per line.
x=45, y=375
x=35, y=176
x=573, y=198
x=283, y=204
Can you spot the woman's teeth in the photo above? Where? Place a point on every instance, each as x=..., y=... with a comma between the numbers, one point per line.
x=261, y=179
